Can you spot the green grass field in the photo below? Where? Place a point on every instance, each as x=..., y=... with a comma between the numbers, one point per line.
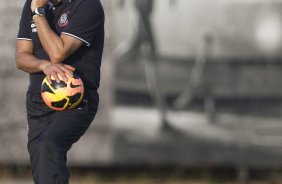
x=135, y=176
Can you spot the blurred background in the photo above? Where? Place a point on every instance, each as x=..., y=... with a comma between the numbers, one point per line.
x=191, y=92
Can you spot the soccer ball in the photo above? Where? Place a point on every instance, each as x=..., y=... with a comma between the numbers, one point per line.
x=63, y=95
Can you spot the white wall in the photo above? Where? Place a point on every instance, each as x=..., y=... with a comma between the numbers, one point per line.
x=240, y=28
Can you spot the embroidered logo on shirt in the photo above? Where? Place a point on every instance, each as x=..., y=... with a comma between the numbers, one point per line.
x=33, y=27
x=63, y=20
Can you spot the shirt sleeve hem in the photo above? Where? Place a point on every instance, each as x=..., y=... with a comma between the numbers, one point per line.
x=28, y=39
x=84, y=41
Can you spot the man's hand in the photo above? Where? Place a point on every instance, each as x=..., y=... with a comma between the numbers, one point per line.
x=54, y=70
x=37, y=3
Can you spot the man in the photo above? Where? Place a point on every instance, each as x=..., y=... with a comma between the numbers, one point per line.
x=59, y=37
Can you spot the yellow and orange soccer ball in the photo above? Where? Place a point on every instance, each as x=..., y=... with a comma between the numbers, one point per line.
x=63, y=95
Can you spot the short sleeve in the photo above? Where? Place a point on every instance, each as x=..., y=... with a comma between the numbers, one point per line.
x=25, y=23
x=86, y=21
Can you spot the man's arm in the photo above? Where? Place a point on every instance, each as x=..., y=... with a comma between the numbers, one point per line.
x=26, y=61
x=57, y=47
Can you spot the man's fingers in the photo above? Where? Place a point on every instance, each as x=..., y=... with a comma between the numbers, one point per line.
x=67, y=71
x=59, y=72
x=56, y=77
x=49, y=79
x=69, y=67
x=62, y=73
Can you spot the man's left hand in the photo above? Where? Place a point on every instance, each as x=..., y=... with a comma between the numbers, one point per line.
x=37, y=3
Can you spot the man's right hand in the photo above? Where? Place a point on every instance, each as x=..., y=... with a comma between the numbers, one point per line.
x=54, y=70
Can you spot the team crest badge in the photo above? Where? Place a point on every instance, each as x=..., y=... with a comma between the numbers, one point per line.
x=63, y=21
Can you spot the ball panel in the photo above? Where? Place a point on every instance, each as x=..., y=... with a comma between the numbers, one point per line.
x=45, y=88
x=51, y=99
x=75, y=100
x=60, y=104
x=58, y=85
x=75, y=76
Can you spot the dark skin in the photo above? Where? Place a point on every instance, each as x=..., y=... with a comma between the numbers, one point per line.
x=57, y=47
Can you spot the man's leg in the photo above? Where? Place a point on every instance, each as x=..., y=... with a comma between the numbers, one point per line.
x=50, y=141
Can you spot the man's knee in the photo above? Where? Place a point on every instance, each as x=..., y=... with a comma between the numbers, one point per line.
x=48, y=143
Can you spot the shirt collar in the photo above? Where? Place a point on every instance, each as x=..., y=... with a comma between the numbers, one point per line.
x=51, y=4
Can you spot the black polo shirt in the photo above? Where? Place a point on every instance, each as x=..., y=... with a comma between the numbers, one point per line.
x=81, y=19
